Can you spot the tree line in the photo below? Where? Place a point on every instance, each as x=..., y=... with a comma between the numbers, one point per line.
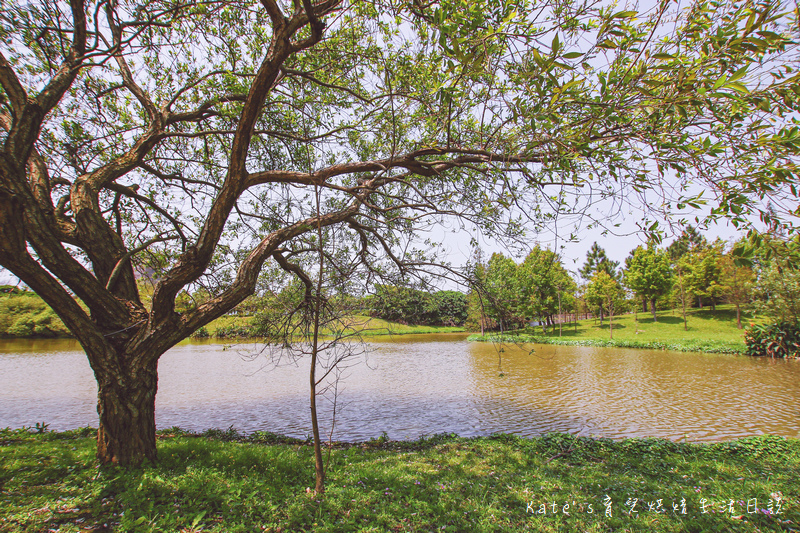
x=689, y=273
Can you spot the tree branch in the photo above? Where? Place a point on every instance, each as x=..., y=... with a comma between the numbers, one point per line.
x=130, y=253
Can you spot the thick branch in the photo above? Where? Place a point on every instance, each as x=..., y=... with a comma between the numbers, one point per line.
x=11, y=85
x=408, y=161
x=66, y=74
x=275, y=14
x=194, y=261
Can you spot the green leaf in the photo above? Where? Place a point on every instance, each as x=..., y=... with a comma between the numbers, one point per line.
x=736, y=86
x=739, y=74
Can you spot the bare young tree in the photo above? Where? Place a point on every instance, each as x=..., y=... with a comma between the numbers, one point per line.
x=172, y=137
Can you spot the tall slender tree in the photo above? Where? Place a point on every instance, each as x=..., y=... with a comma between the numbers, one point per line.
x=597, y=261
x=604, y=291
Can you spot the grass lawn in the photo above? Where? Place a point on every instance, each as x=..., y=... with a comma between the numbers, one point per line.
x=709, y=331
x=557, y=482
x=375, y=326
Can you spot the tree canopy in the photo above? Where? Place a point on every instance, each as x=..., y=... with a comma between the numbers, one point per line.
x=648, y=272
x=598, y=261
x=203, y=142
x=544, y=285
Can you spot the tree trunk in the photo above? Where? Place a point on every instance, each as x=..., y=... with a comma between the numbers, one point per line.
x=653, y=309
x=738, y=316
x=683, y=306
x=126, y=403
x=644, y=305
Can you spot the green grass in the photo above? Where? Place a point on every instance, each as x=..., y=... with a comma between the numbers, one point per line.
x=50, y=482
x=23, y=314
x=708, y=331
x=365, y=325
x=375, y=326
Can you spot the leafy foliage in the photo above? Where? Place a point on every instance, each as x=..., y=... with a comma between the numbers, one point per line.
x=649, y=273
x=606, y=294
x=24, y=314
x=597, y=261
x=413, y=306
x=702, y=267
x=777, y=284
x=545, y=287
x=780, y=340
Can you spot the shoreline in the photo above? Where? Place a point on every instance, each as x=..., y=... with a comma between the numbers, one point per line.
x=524, y=338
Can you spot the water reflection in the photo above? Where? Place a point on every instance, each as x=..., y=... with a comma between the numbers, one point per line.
x=425, y=384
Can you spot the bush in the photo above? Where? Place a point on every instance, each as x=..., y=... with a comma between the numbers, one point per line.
x=24, y=314
x=781, y=339
x=412, y=306
x=201, y=333
x=234, y=332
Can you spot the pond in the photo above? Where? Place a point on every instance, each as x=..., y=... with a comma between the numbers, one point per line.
x=408, y=386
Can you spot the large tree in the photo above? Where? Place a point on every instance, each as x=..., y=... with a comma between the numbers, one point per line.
x=605, y=292
x=200, y=141
x=648, y=272
x=703, y=267
x=545, y=287
x=501, y=291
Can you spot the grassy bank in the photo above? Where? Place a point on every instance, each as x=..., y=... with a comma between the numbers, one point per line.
x=708, y=331
x=239, y=327
x=50, y=483
x=23, y=314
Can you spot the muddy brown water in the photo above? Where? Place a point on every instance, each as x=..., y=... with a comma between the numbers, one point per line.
x=414, y=385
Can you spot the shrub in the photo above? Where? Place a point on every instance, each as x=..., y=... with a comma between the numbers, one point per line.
x=24, y=314
x=234, y=332
x=201, y=333
x=412, y=306
x=780, y=339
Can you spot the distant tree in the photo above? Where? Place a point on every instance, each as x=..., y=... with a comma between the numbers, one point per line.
x=689, y=240
x=544, y=286
x=501, y=290
x=737, y=284
x=680, y=289
x=476, y=298
x=445, y=308
x=606, y=292
x=777, y=284
x=649, y=274
x=414, y=306
x=703, y=271
x=596, y=261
